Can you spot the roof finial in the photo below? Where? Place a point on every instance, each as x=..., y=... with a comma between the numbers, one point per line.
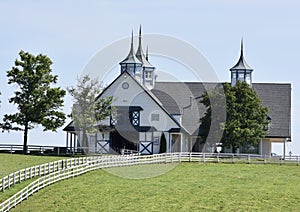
x=140, y=37
x=132, y=39
x=140, y=33
x=242, y=47
x=147, y=53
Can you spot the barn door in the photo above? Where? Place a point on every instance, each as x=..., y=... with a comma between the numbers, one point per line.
x=146, y=143
x=102, y=144
x=102, y=147
x=146, y=148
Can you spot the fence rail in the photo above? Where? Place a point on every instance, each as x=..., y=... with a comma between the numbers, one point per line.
x=76, y=166
x=41, y=150
x=41, y=170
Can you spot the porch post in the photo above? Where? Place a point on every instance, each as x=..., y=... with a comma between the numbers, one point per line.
x=67, y=139
x=170, y=143
x=71, y=139
x=181, y=137
x=284, y=148
x=260, y=147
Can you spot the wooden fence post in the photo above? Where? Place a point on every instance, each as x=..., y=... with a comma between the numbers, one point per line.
x=249, y=159
x=203, y=157
x=19, y=176
x=8, y=181
x=3, y=185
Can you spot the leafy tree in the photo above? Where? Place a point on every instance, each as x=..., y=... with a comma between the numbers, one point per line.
x=246, y=117
x=37, y=102
x=215, y=116
x=163, y=144
x=87, y=109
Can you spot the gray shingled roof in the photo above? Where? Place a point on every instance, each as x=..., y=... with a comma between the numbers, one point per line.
x=277, y=97
x=183, y=98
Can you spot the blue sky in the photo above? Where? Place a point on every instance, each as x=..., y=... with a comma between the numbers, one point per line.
x=71, y=32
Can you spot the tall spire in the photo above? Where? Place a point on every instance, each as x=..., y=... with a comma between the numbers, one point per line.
x=242, y=47
x=241, y=64
x=139, y=53
x=131, y=47
x=241, y=71
x=131, y=58
x=147, y=53
x=140, y=32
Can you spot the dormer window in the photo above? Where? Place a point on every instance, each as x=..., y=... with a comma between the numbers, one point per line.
x=134, y=116
x=148, y=75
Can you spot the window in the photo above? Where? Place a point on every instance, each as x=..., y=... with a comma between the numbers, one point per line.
x=154, y=117
x=156, y=137
x=233, y=75
x=135, y=118
x=145, y=136
x=148, y=136
x=142, y=136
x=113, y=120
x=241, y=76
x=103, y=136
x=148, y=75
x=233, y=79
x=248, y=79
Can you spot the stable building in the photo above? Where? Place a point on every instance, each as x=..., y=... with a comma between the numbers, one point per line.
x=147, y=110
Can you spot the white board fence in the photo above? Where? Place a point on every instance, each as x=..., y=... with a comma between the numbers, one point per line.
x=77, y=166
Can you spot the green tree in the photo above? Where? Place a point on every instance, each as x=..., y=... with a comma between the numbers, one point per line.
x=87, y=109
x=215, y=116
x=246, y=120
x=163, y=144
x=37, y=102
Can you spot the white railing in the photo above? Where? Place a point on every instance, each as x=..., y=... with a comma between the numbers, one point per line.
x=41, y=170
x=78, y=166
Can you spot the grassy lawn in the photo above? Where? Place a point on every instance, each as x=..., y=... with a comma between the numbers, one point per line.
x=13, y=162
x=187, y=187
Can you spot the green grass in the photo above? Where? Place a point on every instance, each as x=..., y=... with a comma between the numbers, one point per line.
x=187, y=187
x=13, y=162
